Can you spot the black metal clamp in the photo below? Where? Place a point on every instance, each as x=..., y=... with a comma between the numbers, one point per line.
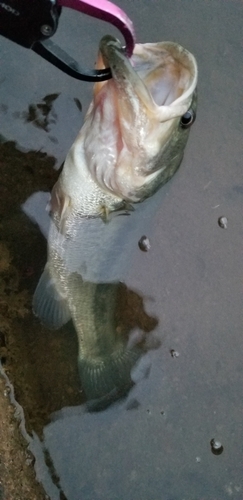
x=31, y=23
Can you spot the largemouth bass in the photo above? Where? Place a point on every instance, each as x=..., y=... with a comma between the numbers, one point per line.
x=131, y=143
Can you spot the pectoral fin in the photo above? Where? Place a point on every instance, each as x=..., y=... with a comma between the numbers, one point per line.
x=48, y=305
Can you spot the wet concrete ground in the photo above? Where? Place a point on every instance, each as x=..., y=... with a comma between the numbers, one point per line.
x=155, y=444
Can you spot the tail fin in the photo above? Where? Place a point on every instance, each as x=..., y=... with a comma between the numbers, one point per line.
x=107, y=379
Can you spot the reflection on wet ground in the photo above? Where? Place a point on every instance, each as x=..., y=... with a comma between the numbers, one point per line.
x=187, y=393
x=41, y=392
x=42, y=115
x=22, y=257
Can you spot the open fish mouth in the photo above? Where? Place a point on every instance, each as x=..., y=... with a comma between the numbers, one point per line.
x=135, y=131
x=133, y=116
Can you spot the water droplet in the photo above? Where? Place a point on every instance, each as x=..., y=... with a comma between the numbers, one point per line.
x=216, y=447
x=144, y=244
x=174, y=354
x=223, y=222
x=198, y=460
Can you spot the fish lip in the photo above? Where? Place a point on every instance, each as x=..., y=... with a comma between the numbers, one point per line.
x=108, y=42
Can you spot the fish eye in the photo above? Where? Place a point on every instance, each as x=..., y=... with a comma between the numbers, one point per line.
x=188, y=118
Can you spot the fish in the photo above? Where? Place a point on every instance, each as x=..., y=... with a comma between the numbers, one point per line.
x=131, y=143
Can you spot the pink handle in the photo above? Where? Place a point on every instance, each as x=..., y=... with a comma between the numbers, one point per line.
x=107, y=11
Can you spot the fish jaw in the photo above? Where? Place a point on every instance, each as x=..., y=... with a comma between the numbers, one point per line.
x=133, y=116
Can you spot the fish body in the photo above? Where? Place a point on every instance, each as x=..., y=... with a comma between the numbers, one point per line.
x=131, y=143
